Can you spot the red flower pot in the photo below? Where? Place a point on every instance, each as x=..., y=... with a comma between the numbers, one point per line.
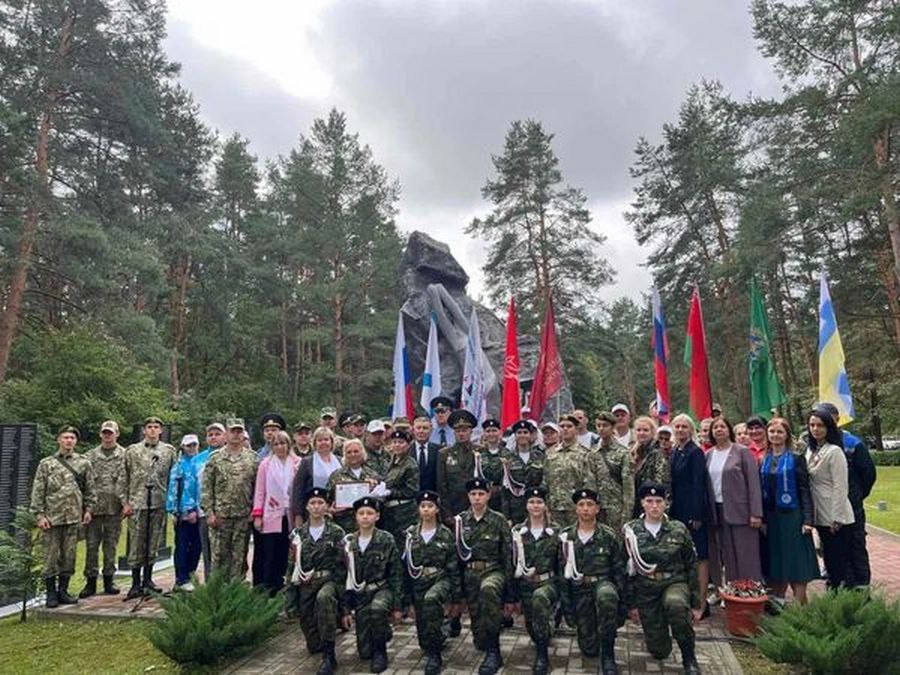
x=742, y=614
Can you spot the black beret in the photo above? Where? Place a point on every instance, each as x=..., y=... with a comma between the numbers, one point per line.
x=606, y=416
x=756, y=421
x=272, y=419
x=371, y=502
x=521, y=425
x=491, y=423
x=536, y=492
x=477, y=484
x=648, y=489
x=462, y=418
x=440, y=402
x=69, y=429
x=321, y=493
x=569, y=417
x=428, y=496
x=400, y=433
x=585, y=493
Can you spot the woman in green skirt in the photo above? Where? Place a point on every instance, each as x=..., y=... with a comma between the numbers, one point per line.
x=788, y=512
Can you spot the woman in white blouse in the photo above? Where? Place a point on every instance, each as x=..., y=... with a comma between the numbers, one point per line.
x=314, y=471
x=827, y=467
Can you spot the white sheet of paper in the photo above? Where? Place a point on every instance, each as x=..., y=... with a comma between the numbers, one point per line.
x=347, y=493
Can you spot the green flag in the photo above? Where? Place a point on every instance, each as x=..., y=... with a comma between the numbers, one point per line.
x=765, y=389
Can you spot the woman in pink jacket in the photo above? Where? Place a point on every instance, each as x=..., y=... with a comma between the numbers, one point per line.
x=271, y=511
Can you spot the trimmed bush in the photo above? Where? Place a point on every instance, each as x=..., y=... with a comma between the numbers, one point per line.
x=840, y=632
x=886, y=457
x=219, y=619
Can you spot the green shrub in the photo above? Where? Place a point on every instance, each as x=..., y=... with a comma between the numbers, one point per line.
x=219, y=619
x=886, y=458
x=842, y=632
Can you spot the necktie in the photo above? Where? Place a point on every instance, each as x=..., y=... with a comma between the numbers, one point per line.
x=423, y=455
x=443, y=435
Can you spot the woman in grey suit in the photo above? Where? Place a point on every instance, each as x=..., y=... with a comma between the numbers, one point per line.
x=735, y=505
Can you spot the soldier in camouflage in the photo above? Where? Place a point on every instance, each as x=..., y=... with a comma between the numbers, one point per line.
x=374, y=578
x=147, y=467
x=401, y=483
x=62, y=498
x=483, y=543
x=378, y=455
x=567, y=467
x=662, y=583
x=317, y=577
x=612, y=470
x=489, y=458
x=456, y=465
x=353, y=470
x=593, y=563
x=429, y=553
x=108, y=464
x=523, y=468
x=226, y=496
x=536, y=556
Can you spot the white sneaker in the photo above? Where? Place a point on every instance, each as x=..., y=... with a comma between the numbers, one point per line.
x=186, y=587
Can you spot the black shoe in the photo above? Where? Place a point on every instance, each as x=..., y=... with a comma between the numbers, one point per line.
x=149, y=586
x=64, y=597
x=608, y=656
x=541, y=663
x=135, y=591
x=329, y=661
x=434, y=664
x=90, y=588
x=507, y=622
x=379, y=658
x=109, y=588
x=52, y=597
x=492, y=661
x=455, y=627
x=689, y=658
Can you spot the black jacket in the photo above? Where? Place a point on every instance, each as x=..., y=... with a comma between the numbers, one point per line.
x=428, y=472
x=688, y=491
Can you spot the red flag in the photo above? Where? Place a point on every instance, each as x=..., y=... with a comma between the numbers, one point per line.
x=695, y=359
x=510, y=409
x=548, y=375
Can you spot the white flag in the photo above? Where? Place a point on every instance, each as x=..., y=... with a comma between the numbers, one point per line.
x=431, y=378
x=474, y=395
x=403, y=403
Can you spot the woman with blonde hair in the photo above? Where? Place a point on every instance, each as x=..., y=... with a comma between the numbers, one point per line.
x=648, y=463
x=314, y=471
x=354, y=470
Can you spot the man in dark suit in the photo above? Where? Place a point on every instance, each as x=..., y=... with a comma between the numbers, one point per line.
x=425, y=453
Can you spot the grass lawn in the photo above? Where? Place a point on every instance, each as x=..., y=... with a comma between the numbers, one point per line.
x=887, y=489
x=79, y=646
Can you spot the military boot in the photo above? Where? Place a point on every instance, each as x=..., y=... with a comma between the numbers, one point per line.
x=608, y=655
x=64, y=597
x=689, y=658
x=379, y=658
x=329, y=660
x=434, y=664
x=135, y=591
x=493, y=660
x=149, y=586
x=541, y=663
x=455, y=626
x=52, y=597
x=109, y=588
x=90, y=588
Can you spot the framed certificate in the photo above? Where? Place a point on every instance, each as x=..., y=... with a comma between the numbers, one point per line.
x=347, y=493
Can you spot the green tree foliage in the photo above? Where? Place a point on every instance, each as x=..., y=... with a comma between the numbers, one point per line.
x=20, y=560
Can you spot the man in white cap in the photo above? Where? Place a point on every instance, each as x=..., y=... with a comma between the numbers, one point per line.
x=376, y=457
x=550, y=432
x=623, y=424
x=183, y=503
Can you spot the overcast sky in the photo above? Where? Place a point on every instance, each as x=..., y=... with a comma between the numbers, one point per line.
x=432, y=86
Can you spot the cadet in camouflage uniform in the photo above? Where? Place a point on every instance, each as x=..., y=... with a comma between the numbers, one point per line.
x=662, y=582
x=401, y=480
x=524, y=467
x=317, y=577
x=456, y=465
x=432, y=569
x=226, y=497
x=483, y=542
x=490, y=458
x=593, y=562
x=374, y=577
x=649, y=464
x=62, y=497
x=612, y=471
x=108, y=464
x=567, y=467
x=146, y=463
x=353, y=470
x=536, y=549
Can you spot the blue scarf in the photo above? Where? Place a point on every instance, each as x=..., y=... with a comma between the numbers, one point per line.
x=786, y=497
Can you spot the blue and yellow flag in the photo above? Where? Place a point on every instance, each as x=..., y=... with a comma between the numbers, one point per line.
x=834, y=386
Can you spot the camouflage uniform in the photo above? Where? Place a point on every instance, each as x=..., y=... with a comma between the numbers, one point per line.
x=227, y=492
x=456, y=465
x=538, y=591
x=654, y=468
x=378, y=460
x=492, y=470
x=316, y=600
x=345, y=518
x=379, y=569
x=567, y=467
x=400, y=511
x=145, y=463
x=596, y=595
x=486, y=573
x=106, y=518
x=438, y=581
x=62, y=499
x=530, y=474
x=615, y=486
x=665, y=596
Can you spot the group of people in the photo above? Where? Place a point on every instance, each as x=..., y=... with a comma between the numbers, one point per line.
x=552, y=520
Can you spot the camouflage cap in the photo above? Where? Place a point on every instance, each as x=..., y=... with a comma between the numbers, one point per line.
x=235, y=423
x=69, y=429
x=327, y=411
x=153, y=419
x=110, y=425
